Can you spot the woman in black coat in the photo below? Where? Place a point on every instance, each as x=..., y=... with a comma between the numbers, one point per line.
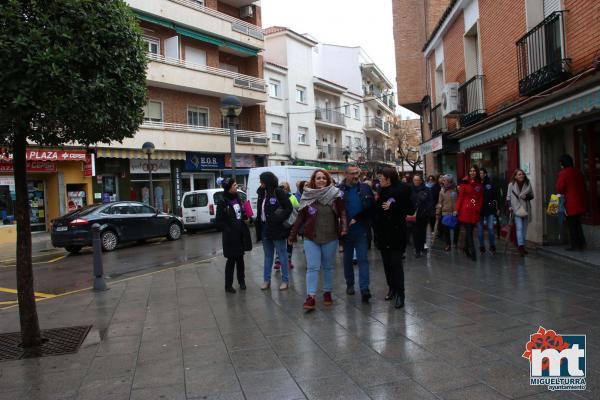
x=231, y=219
x=389, y=224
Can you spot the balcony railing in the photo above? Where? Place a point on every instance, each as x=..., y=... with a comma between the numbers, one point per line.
x=242, y=136
x=472, y=107
x=375, y=154
x=327, y=152
x=541, y=55
x=378, y=123
x=330, y=116
x=384, y=97
x=237, y=25
x=438, y=122
x=239, y=80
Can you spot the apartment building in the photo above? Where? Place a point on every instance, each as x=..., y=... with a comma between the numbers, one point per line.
x=515, y=85
x=328, y=104
x=198, y=53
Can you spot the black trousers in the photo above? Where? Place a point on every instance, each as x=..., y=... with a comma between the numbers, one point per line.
x=576, y=232
x=469, y=242
x=420, y=234
x=394, y=271
x=229, y=267
x=446, y=234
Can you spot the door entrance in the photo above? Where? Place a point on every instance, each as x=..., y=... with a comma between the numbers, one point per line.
x=191, y=182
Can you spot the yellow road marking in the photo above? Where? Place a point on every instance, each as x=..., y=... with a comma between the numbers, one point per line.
x=118, y=281
x=37, y=262
x=36, y=294
x=2, y=303
x=33, y=256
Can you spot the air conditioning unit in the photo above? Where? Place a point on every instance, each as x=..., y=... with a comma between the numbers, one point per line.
x=450, y=99
x=247, y=11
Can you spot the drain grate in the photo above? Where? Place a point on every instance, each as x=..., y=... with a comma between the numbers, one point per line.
x=56, y=342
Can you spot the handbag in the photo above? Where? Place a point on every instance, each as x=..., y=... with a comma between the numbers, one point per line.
x=289, y=222
x=449, y=221
x=520, y=212
x=553, y=205
x=248, y=209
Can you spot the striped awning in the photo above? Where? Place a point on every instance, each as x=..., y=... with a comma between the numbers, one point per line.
x=492, y=134
x=129, y=153
x=569, y=107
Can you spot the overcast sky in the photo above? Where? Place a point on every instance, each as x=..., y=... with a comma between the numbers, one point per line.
x=346, y=22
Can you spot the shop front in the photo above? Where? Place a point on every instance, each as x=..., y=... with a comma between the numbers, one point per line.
x=443, y=153
x=58, y=181
x=201, y=170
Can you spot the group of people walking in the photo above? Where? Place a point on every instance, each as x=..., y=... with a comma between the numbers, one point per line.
x=354, y=212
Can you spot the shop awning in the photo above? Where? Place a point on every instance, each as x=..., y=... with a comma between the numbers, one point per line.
x=128, y=153
x=497, y=132
x=570, y=107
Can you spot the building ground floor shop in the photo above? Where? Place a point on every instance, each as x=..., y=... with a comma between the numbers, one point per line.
x=58, y=181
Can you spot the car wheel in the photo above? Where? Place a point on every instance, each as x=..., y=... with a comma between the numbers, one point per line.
x=174, y=231
x=109, y=240
x=73, y=249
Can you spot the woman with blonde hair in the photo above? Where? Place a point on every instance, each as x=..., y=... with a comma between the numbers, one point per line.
x=518, y=196
x=323, y=215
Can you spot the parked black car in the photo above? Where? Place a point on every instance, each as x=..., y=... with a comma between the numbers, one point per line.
x=121, y=221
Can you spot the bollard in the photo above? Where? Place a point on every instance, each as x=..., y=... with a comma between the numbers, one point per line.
x=99, y=282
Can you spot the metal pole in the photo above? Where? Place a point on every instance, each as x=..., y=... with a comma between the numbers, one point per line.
x=99, y=282
x=150, y=179
x=232, y=142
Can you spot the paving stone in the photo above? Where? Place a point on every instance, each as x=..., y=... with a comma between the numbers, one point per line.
x=332, y=387
x=405, y=390
x=253, y=360
x=475, y=392
x=214, y=380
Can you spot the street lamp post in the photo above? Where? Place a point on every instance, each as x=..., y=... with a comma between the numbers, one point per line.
x=231, y=108
x=148, y=149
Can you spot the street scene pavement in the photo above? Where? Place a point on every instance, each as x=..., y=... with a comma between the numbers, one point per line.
x=171, y=331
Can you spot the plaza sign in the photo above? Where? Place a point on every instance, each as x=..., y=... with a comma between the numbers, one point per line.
x=49, y=155
x=432, y=145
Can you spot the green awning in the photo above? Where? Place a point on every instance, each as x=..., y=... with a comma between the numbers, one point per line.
x=199, y=36
x=155, y=20
x=497, y=132
x=570, y=107
x=242, y=49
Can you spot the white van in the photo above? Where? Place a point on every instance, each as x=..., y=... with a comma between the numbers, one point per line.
x=285, y=173
x=199, y=208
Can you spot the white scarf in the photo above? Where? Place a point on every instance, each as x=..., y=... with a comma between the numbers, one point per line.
x=325, y=196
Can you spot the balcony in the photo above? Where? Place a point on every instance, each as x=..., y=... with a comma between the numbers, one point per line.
x=438, y=122
x=328, y=152
x=472, y=107
x=181, y=137
x=383, y=98
x=194, y=15
x=330, y=118
x=173, y=73
x=376, y=154
x=541, y=56
x=377, y=124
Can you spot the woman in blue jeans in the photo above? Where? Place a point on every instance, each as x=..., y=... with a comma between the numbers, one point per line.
x=273, y=209
x=323, y=215
x=488, y=213
x=519, y=195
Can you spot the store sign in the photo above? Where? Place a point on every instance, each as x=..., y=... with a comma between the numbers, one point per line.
x=200, y=161
x=241, y=161
x=32, y=166
x=49, y=155
x=138, y=166
x=432, y=145
x=89, y=165
x=178, y=191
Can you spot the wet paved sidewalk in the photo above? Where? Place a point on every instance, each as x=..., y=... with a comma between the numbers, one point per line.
x=177, y=335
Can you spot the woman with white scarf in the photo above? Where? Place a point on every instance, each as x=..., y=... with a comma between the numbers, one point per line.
x=323, y=215
x=519, y=195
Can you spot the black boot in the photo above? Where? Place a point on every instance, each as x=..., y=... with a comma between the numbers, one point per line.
x=390, y=295
x=366, y=295
x=243, y=286
x=482, y=250
x=493, y=250
x=229, y=289
x=399, y=303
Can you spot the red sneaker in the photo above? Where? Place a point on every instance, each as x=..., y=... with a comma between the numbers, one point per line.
x=291, y=264
x=327, y=300
x=277, y=265
x=309, y=304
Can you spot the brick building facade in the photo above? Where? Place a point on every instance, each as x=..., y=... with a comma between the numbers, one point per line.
x=512, y=85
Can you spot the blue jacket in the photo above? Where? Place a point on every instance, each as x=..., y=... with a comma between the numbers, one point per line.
x=367, y=199
x=490, y=202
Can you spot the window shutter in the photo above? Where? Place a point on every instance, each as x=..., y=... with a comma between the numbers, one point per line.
x=551, y=6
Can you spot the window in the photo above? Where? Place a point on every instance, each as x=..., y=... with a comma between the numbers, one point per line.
x=227, y=122
x=300, y=94
x=302, y=134
x=195, y=56
x=346, y=109
x=141, y=209
x=276, y=130
x=229, y=67
x=348, y=141
x=152, y=45
x=197, y=116
x=195, y=200
x=357, y=142
x=439, y=83
x=274, y=88
x=356, y=112
x=153, y=111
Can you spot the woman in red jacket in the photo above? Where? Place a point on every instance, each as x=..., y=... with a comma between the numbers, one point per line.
x=468, y=207
x=571, y=184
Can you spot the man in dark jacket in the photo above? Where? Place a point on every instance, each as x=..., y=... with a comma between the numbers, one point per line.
x=358, y=199
x=422, y=203
x=488, y=213
x=273, y=209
